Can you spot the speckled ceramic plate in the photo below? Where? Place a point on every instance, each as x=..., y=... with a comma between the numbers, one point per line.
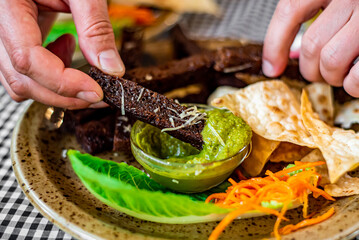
x=47, y=179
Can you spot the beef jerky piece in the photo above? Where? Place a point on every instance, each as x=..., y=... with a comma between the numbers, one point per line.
x=151, y=107
x=97, y=135
x=183, y=47
x=132, y=47
x=229, y=79
x=247, y=59
x=292, y=70
x=174, y=74
x=72, y=118
x=121, y=139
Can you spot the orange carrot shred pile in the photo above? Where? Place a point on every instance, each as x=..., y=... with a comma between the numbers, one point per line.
x=288, y=186
x=141, y=16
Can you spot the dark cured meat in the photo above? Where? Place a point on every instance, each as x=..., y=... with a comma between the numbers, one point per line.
x=123, y=125
x=97, y=135
x=212, y=68
x=132, y=47
x=74, y=118
x=183, y=47
x=174, y=74
x=248, y=58
x=229, y=79
x=147, y=106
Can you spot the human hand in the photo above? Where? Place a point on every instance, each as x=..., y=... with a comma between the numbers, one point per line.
x=28, y=70
x=329, y=46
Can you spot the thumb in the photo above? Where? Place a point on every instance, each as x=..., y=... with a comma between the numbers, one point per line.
x=96, y=37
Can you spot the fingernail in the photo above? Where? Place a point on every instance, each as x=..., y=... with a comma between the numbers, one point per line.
x=111, y=62
x=99, y=105
x=91, y=97
x=268, y=69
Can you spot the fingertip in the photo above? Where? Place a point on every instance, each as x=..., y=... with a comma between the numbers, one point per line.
x=111, y=62
x=272, y=70
x=89, y=96
x=91, y=92
x=268, y=69
x=275, y=57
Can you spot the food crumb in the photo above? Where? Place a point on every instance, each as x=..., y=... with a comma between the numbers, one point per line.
x=64, y=153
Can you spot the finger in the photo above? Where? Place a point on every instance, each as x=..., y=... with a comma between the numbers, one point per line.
x=53, y=6
x=96, y=37
x=21, y=87
x=45, y=21
x=337, y=58
x=64, y=48
x=99, y=105
x=282, y=30
x=25, y=87
x=318, y=35
x=12, y=94
x=351, y=81
x=28, y=57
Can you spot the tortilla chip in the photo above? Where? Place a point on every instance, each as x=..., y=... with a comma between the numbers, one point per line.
x=348, y=114
x=315, y=156
x=261, y=150
x=221, y=91
x=339, y=147
x=289, y=152
x=294, y=83
x=345, y=186
x=297, y=93
x=321, y=96
x=271, y=110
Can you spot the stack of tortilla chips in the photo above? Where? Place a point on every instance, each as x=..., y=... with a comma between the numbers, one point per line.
x=289, y=126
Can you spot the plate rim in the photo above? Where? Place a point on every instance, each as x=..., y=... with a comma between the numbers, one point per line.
x=49, y=213
x=70, y=227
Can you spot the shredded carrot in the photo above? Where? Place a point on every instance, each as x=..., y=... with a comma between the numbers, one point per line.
x=226, y=221
x=307, y=222
x=284, y=187
x=232, y=181
x=277, y=222
x=240, y=175
x=141, y=16
x=299, y=167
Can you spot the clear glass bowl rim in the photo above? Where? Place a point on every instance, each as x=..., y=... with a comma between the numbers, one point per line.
x=163, y=162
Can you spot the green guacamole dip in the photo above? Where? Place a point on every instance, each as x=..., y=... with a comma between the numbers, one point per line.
x=224, y=135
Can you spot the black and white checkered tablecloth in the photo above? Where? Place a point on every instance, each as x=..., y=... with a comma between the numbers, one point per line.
x=246, y=19
x=18, y=218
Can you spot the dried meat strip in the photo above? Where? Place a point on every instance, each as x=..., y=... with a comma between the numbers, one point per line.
x=183, y=46
x=150, y=107
x=121, y=140
x=174, y=74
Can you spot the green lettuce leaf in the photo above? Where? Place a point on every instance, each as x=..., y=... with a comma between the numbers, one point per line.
x=131, y=191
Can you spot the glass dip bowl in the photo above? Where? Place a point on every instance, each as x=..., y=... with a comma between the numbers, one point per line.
x=185, y=177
